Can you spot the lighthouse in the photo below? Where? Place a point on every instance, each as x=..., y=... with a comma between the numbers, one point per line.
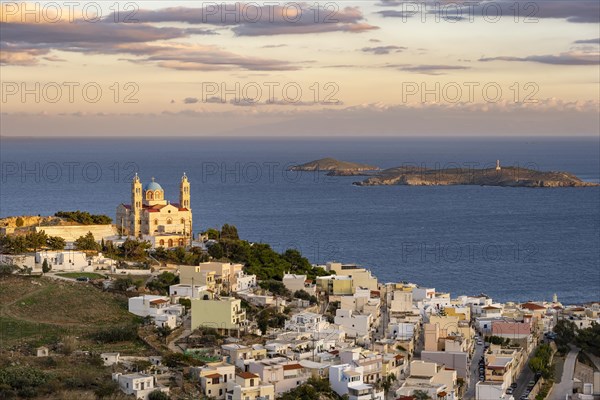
x=498, y=165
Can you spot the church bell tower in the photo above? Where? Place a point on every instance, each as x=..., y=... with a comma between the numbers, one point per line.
x=136, y=207
x=184, y=192
x=184, y=201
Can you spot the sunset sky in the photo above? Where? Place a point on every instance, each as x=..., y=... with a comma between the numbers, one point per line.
x=360, y=66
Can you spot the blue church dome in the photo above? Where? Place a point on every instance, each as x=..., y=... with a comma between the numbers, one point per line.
x=153, y=186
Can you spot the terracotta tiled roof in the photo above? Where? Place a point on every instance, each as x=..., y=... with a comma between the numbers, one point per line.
x=213, y=376
x=158, y=301
x=291, y=366
x=532, y=306
x=247, y=375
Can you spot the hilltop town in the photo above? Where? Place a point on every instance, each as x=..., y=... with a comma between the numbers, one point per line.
x=142, y=308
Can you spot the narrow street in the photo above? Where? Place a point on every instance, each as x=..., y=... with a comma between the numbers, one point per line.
x=474, y=372
x=565, y=387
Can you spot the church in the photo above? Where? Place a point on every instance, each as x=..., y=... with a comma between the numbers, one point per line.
x=152, y=218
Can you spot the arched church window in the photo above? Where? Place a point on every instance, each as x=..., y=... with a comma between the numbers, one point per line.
x=170, y=242
x=150, y=195
x=169, y=221
x=157, y=195
x=156, y=222
x=161, y=242
x=181, y=242
x=182, y=221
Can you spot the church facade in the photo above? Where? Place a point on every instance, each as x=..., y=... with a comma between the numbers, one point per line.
x=153, y=218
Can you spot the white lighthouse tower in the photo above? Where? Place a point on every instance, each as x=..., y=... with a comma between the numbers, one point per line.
x=498, y=165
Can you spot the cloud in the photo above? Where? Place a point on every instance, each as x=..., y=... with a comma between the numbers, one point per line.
x=575, y=11
x=251, y=19
x=24, y=43
x=547, y=117
x=427, y=69
x=568, y=58
x=588, y=41
x=383, y=49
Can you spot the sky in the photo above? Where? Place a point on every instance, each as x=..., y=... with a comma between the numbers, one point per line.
x=276, y=68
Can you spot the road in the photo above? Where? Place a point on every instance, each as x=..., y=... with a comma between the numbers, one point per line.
x=474, y=372
x=565, y=387
x=524, y=377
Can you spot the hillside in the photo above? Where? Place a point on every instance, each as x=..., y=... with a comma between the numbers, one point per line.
x=40, y=309
x=507, y=176
x=331, y=164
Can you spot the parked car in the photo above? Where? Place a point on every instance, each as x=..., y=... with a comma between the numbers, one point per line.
x=513, y=385
x=509, y=391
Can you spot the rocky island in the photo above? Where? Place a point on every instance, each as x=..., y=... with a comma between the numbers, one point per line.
x=336, y=167
x=505, y=176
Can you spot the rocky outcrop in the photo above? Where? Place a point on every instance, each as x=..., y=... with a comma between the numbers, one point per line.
x=331, y=164
x=506, y=176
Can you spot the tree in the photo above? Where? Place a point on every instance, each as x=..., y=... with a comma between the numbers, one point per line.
x=87, y=242
x=212, y=234
x=134, y=249
x=164, y=331
x=158, y=395
x=162, y=282
x=565, y=332
x=229, y=232
x=36, y=240
x=19, y=222
x=421, y=395
x=216, y=251
x=387, y=382
x=56, y=243
x=589, y=339
x=45, y=266
x=13, y=244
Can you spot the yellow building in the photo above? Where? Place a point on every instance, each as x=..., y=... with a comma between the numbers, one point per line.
x=441, y=328
x=247, y=386
x=193, y=275
x=335, y=285
x=153, y=218
x=361, y=277
x=225, y=273
x=223, y=314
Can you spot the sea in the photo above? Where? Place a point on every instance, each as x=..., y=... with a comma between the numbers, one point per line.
x=513, y=244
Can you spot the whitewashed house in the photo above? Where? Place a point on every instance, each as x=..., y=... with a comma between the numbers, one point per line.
x=64, y=260
x=348, y=380
x=139, y=385
x=159, y=308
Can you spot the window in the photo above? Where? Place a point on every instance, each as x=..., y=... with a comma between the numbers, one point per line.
x=169, y=221
x=156, y=222
x=170, y=242
x=162, y=242
x=182, y=221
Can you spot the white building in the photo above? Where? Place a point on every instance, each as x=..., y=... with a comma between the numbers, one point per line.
x=159, y=308
x=306, y=322
x=293, y=283
x=64, y=260
x=401, y=331
x=355, y=325
x=243, y=282
x=186, y=291
x=110, y=358
x=23, y=261
x=434, y=379
x=345, y=379
x=139, y=385
x=491, y=391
